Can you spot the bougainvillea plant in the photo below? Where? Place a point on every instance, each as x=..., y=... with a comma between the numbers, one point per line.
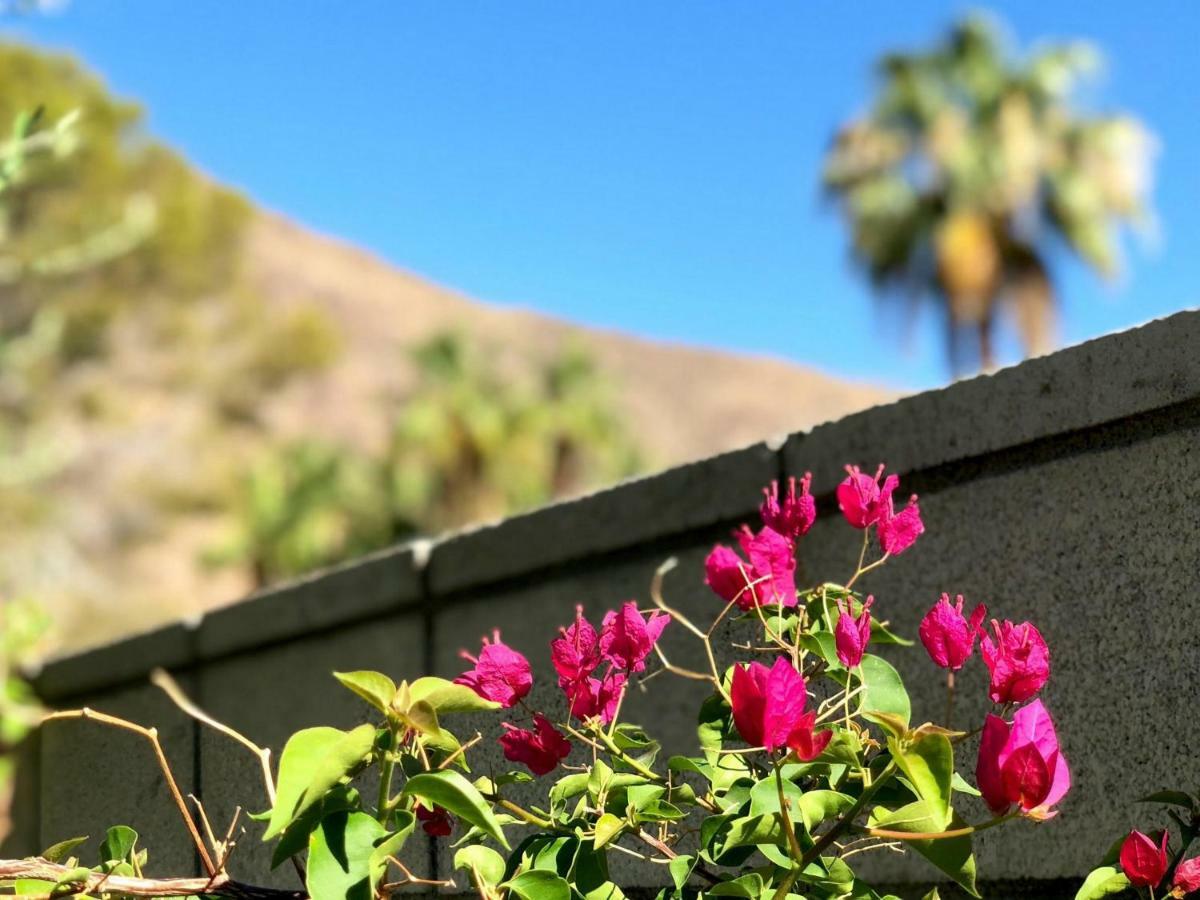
x=1153, y=864
x=807, y=757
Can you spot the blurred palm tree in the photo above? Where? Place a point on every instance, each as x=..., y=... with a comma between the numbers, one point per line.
x=969, y=168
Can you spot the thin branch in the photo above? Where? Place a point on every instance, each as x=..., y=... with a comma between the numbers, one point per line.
x=220, y=885
x=150, y=734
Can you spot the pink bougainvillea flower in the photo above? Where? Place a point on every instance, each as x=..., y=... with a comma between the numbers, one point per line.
x=576, y=652
x=501, y=674
x=795, y=514
x=1187, y=877
x=899, y=530
x=541, y=749
x=626, y=639
x=768, y=577
x=1018, y=660
x=862, y=498
x=436, y=822
x=1143, y=861
x=852, y=635
x=590, y=697
x=1021, y=763
x=768, y=709
x=947, y=635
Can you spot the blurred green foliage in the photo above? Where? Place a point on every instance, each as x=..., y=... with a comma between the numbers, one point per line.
x=971, y=164
x=467, y=443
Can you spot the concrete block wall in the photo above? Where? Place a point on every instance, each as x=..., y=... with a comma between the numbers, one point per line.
x=1063, y=489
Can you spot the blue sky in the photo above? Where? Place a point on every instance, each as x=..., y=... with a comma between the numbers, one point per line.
x=648, y=167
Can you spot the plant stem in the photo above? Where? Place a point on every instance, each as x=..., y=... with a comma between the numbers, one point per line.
x=949, y=698
x=382, y=807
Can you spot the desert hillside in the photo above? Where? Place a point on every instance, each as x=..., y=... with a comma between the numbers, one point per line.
x=682, y=402
x=141, y=472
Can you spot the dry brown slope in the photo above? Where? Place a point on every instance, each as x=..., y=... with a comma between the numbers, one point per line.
x=681, y=402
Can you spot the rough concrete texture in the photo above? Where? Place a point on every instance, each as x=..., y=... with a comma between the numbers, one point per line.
x=695, y=495
x=1121, y=375
x=370, y=587
x=269, y=694
x=94, y=776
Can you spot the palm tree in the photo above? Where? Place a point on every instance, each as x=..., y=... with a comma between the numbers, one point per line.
x=968, y=170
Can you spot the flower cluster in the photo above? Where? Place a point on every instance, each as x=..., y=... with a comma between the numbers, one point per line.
x=1019, y=763
x=503, y=675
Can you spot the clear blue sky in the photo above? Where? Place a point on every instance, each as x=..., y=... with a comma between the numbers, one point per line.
x=649, y=167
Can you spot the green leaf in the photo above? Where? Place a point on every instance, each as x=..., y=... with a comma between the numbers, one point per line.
x=448, y=697
x=118, y=845
x=454, y=793
x=33, y=887
x=883, y=690
x=714, y=723
x=1101, y=882
x=294, y=839
x=824, y=645
x=60, y=851
x=538, y=884
x=929, y=765
x=374, y=687
x=764, y=797
x=390, y=845
x=339, y=857
x=951, y=855
x=76, y=875
x=608, y=827
x=681, y=870
x=1175, y=798
x=932, y=895
x=881, y=634
x=817, y=806
x=961, y=785
x=314, y=760
x=484, y=864
x=748, y=887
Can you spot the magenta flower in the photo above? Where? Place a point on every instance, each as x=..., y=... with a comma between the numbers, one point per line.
x=768, y=709
x=948, y=637
x=1143, y=861
x=435, y=822
x=1187, y=877
x=795, y=515
x=899, y=530
x=862, y=498
x=576, y=653
x=1018, y=660
x=626, y=639
x=1021, y=763
x=540, y=749
x=768, y=577
x=590, y=697
x=501, y=674
x=852, y=635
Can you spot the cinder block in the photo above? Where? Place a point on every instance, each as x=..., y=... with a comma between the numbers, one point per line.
x=268, y=695
x=372, y=586
x=679, y=500
x=118, y=664
x=94, y=776
x=1099, y=381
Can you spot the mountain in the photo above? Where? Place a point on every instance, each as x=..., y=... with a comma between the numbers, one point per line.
x=731, y=399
